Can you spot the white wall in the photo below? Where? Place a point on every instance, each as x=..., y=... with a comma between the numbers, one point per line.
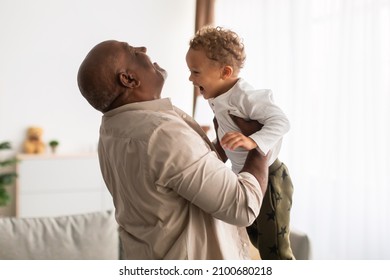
x=328, y=64
x=44, y=42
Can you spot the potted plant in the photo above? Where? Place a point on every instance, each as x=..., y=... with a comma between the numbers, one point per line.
x=7, y=174
x=53, y=145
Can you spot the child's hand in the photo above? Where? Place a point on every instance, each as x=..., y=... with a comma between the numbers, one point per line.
x=233, y=140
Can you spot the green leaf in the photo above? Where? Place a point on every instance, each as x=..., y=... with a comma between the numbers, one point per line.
x=5, y=146
x=7, y=179
x=4, y=197
x=54, y=143
x=8, y=162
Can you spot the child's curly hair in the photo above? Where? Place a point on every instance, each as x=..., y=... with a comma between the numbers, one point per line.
x=221, y=45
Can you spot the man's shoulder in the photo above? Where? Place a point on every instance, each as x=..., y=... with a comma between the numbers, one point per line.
x=138, y=124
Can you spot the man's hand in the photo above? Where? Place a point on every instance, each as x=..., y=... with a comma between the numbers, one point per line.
x=247, y=127
x=255, y=163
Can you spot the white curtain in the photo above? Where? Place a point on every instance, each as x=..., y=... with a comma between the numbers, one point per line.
x=328, y=64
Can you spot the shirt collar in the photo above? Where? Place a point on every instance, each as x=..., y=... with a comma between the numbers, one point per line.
x=225, y=95
x=163, y=104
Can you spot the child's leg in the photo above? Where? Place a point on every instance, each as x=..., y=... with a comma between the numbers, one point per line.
x=270, y=233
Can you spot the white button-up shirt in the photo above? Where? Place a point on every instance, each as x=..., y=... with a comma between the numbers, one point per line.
x=245, y=102
x=174, y=198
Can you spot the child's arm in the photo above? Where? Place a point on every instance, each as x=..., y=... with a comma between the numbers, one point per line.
x=233, y=140
x=259, y=106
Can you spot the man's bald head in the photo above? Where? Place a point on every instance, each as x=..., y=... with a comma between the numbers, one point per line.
x=97, y=76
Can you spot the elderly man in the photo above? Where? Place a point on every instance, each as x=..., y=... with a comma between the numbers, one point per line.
x=173, y=197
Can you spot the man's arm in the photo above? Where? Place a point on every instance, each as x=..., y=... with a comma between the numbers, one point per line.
x=255, y=163
x=195, y=173
x=217, y=143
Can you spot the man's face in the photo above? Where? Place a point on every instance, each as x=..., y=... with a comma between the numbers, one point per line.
x=140, y=57
x=151, y=76
x=206, y=74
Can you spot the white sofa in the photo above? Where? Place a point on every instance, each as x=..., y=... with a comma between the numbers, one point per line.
x=91, y=236
x=300, y=245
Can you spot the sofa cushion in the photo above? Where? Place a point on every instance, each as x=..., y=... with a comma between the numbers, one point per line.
x=86, y=236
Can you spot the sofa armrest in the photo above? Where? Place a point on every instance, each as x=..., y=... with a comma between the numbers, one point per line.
x=300, y=245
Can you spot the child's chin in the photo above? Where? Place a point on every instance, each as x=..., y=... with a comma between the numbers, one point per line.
x=205, y=96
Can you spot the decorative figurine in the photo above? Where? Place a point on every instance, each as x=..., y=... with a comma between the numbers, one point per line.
x=33, y=143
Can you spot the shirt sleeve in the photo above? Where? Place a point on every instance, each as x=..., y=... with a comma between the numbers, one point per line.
x=182, y=162
x=260, y=106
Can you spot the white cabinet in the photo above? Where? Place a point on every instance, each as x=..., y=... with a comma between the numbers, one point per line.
x=54, y=185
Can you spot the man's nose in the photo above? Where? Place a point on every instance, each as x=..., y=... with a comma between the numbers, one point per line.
x=141, y=49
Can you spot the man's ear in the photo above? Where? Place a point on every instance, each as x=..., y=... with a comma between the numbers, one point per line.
x=227, y=72
x=128, y=80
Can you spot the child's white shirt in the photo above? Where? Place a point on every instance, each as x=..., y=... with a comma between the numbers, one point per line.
x=243, y=101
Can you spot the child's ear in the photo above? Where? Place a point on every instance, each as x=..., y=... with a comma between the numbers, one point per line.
x=129, y=80
x=227, y=72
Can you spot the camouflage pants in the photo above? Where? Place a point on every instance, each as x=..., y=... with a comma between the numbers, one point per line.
x=270, y=233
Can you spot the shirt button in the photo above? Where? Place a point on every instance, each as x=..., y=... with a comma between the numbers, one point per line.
x=184, y=116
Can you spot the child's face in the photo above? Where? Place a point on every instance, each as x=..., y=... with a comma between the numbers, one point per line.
x=206, y=74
